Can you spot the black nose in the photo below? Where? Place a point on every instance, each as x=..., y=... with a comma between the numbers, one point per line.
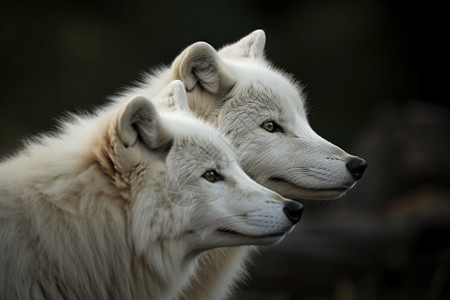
x=357, y=166
x=293, y=211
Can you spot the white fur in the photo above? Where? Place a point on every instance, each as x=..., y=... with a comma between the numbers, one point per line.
x=236, y=89
x=99, y=210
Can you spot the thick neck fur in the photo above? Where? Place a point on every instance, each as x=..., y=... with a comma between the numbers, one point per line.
x=61, y=248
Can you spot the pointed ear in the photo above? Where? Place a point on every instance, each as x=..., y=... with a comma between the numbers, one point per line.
x=173, y=98
x=249, y=47
x=139, y=121
x=200, y=66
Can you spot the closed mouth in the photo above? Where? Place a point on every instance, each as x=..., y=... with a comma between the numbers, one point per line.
x=336, y=189
x=233, y=232
x=226, y=230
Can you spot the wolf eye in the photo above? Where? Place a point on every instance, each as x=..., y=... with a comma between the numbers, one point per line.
x=212, y=176
x=271, y=126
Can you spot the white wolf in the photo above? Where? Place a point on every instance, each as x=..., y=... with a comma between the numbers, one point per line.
x=262, y=112
x=97, y=211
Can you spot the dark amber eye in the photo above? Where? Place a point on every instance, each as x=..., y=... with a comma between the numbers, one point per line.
x=212, y=176
x=271, y=126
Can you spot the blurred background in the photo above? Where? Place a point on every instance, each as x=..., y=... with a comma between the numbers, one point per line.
x=376, y=76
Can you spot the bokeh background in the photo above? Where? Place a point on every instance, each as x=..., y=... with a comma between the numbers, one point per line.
x=376, y=76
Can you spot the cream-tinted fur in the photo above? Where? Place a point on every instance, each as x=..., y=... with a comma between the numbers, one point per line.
x=104, y=210
x=236, y=89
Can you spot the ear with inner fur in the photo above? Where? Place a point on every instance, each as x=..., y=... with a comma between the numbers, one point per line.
x=200, y=66
x=249, y=47
x=139, y=121
x=173, y=98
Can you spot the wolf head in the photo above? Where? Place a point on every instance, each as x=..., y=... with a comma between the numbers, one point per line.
x=261, y=110
x=182, y=180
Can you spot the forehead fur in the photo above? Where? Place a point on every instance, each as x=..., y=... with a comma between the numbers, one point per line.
x=267, y=93
x=269, y=85
x=197, y=138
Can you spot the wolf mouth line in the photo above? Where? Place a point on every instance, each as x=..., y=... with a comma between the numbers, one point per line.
x=337, y=189
x=233, y=232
